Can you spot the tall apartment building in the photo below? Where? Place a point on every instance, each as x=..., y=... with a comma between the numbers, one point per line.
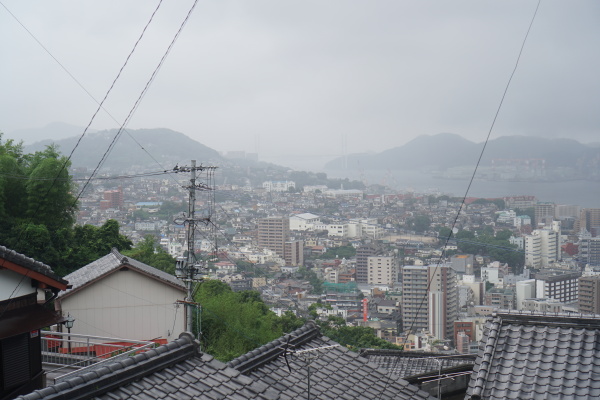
x=589, y=219
x=544, y=213
x=563, y=211
x=589, y=294
x=415, y=314
x=294, y=253
x=434, y=308
x=589, y=250
x=462, y=343
x=383, y=270
x=542, y=248
x=443, y=301
x=273, y=233
x=112, y=199
x=524, y=290
x=362, y=261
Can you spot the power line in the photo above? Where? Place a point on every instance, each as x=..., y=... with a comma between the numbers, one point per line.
x=476, y=167
x=100, y=104
x=473, y=175
x=101, y=178
x=141, y=96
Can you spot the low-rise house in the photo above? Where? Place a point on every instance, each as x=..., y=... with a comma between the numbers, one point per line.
x=121, y=297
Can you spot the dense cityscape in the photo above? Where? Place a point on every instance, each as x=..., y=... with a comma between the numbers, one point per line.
x=391, y=200
x=393, y=249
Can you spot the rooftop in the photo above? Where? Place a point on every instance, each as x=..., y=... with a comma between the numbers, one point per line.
x=176, y=370
x=111, y=262
x=526, y=355
x=288, y=364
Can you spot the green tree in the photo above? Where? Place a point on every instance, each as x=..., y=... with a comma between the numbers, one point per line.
x=498, y=248
x=37, y=211
x=311, y=277
x=419, y=223
x=444, y=233
x=354, y=337
x=529, y=211
x=82, y=245
x=12, y=188
x=234, y=323
x=151, y=253
x=289, y=322
x=338, y=252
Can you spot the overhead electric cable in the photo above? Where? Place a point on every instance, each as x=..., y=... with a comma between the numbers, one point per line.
x=474, y=171
x=89, y=124
x=478, y=161
x=100, y=104
x=141, y=96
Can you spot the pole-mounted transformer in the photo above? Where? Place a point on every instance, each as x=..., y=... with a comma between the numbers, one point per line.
x=189, y=269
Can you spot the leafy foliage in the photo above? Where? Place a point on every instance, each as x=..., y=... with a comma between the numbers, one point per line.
x=37, y=210
x=311, y=277
x=150, y=252
x=419, y=223
x=339, y=252
x=353, y=337
x=497, y=247
x=235, y=323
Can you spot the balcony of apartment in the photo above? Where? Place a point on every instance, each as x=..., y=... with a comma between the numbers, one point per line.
x=64, y=354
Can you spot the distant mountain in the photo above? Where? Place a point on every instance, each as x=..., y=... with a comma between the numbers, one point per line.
x=437, y=151
x=134, y=148
x=447, y=150
x=55, y=130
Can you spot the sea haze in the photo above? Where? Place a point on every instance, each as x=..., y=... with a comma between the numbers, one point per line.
x=581, y=192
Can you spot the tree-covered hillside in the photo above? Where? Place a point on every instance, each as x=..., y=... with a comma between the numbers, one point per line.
x=37, y=210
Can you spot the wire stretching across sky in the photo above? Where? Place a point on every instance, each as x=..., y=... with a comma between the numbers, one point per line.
x=64, y=166
x=141, y=96
x=478, y=162
x=474, y=172
x=108, y=92
x=100, y=104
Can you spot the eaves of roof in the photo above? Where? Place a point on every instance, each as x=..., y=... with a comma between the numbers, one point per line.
x=535, y=355
x=31, y=268
x=111, y=263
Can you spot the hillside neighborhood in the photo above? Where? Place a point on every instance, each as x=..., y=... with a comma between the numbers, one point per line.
x=422, y=272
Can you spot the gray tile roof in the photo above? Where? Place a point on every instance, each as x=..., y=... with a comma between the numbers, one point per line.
x=110, y=263
x=30, y=263
x=173, y=371
x=410, y=363
x=531, y=356
x=336, y=372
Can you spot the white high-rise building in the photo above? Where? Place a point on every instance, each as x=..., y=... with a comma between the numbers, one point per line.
x=542, y=248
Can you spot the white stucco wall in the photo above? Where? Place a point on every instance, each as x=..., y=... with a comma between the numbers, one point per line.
x=129, y=305
x=9, y=280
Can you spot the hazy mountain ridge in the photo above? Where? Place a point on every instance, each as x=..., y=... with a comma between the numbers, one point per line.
x=448, y=150
x=428, y=152
x=57, y=130
x=168, y=147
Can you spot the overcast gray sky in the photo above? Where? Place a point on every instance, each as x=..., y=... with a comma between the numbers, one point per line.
x=293, y=77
